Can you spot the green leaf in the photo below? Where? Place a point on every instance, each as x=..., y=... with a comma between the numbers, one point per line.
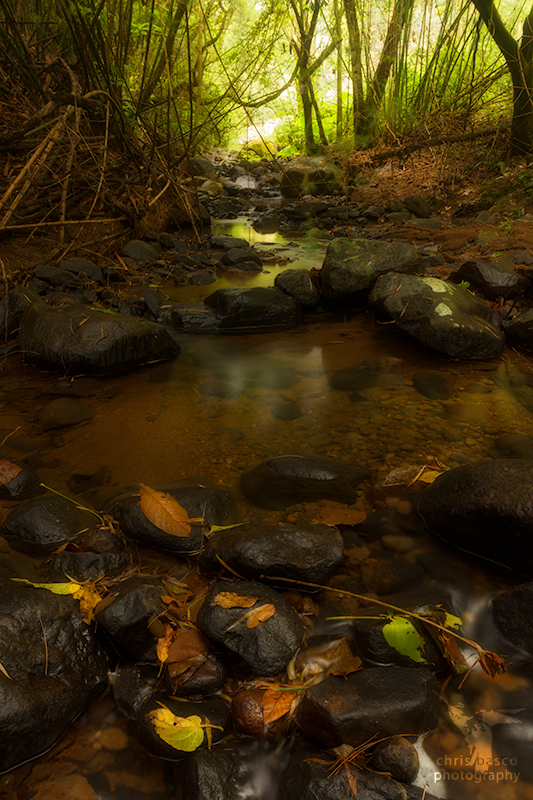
x=181, y=733
x=56, y=588
x=401, y=634
x=451, y=621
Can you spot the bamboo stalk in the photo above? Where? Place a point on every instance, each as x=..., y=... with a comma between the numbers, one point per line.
x=65, y=222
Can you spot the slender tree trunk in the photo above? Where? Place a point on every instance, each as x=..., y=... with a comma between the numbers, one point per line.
x=354, y=39
x=338, y=36
x=519, y=60
x=165, y=54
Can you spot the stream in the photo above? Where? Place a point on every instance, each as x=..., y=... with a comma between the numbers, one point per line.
x=219, y=409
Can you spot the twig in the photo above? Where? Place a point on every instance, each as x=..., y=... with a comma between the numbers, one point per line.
x=45, y=644
x=4, y=440
x=6, y=287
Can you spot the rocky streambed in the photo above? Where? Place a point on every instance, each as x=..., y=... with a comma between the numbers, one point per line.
x=263, y=543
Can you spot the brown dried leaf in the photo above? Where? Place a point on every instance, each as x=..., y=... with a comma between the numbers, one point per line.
x=186, y=644
x=492, y=663
x=260, y=614
x=233, y=600
x=276, y=704
x=8, y=471
x=164, y=512
x=339, y=516
x=351, y=779
x=163, y=643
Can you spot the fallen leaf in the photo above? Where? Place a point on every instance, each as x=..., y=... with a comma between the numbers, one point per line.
x=401, y=634
x=89, y=599
x=429, y=475
x=492, y=663
x=351, y=779
x=8, y=471
x=56, y=588
x=164, y=512
x=232, y=600
x=260, y=614
x=186, y=644
x=339, y=516
x=181, y=733
x=276, y=704
x=163, y=644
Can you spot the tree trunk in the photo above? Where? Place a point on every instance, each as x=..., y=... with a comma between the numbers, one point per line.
x=519, y=60
x=354, y=38
x=165, y=54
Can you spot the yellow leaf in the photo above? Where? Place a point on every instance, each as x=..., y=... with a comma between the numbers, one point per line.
x=429, y=476
x=89, y=599
x=181, y=733
x=56, y=588
x=164, y=512
x=233, y=600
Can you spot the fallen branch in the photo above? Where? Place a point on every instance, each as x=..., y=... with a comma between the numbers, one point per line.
x=435, y=141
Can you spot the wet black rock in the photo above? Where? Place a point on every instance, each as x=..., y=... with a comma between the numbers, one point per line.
x=132, y=685
x=253, y=309
x=193, y=318
x=311, y=775
x=352, y=266
x=361, y=376
x=439, y=315
x=515, y=445
x=63, y=412
x=141, y=251
x=87, y=340
x=519, y=331
x=299, y=283
x=48, y=686
x=373, y=648
x=234, y=769
x=214, y=712
x=17, y=480
x=268, y=549
x=209, y=677
x=40, y=525
x=56, y=276
x=214, y=504
x=372, y=703
x=88, y=566
x=83, y=267
x=485, y=509
x=398, y=757
x=267, y=647
x=512, y=614
x=432, y=384
x=126, y=619
x=19, y=299
x=297, y=478
x=235, y=255
x=493, y=279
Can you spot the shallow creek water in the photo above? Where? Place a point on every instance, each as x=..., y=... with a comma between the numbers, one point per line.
x=210, y=414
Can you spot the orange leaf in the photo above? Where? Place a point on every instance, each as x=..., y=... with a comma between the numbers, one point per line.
x=232, y=600
x=8, y=471
x=186, y=644
x=260, y=614
x=351, y=779
x=276, y=704
x=163, y=643
x=492, y=663
x=164, y=512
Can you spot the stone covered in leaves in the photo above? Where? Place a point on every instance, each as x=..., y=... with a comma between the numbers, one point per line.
x=439, y=315
x=371, y=703
x=183, y=533
x=126, y=619
x=88, y=340
x=297, y=478
x=394, y=640
x=352, y=266
x=312, y=774
x=269, y=549
x=485, y=509
x=171, y=729
x=40, y=525
x=55, y=666
x=254, y=621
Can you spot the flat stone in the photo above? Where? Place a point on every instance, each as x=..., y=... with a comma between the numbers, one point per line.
x=63, y=412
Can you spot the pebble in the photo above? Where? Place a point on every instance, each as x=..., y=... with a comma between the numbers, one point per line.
x=398, y=543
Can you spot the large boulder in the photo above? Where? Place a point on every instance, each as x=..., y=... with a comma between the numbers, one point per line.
x=308, y=175
x=485, y=509
x=55, y=667
x=440, y=315
x=495, y=279
x=352, y=266
x=87, y=340
x=298, y=478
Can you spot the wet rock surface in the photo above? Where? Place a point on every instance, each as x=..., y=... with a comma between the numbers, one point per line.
x=290, y=479
x=267, y=647
x=497, y=492
x=308, y=553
